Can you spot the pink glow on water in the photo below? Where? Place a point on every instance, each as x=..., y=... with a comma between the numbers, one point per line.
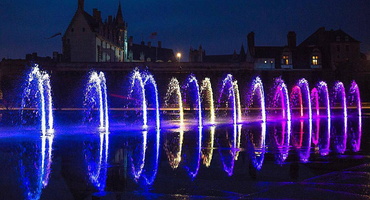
x=297, y=93
x=315, y=100
x=305, y=89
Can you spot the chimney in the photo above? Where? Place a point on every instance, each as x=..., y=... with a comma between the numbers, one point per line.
x=130, y=41
x=250, y=40
x=109, y=19
x=97, y=15
x=149, y=44
x=80, y=5
x=159, y=44
x=292, y=39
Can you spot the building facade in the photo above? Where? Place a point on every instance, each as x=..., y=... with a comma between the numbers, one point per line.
x=89, y=39
x=324, y=49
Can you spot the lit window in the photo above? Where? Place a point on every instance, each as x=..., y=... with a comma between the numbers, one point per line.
x=265, y=61
x=285, y=60
x=271, y=61
x=315, y=60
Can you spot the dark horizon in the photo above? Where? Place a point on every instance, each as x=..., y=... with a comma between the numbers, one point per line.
x=220, y=27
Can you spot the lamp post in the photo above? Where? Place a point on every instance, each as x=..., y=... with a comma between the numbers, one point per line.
x=178, y=55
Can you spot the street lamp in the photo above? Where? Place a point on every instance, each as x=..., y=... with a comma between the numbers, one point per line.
x=178, y=55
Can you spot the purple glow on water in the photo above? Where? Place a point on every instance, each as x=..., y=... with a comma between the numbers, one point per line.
x=258, y=151
x=303, y=84
x=283, y=141
x=305, y=150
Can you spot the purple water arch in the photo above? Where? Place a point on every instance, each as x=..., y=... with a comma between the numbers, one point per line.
x=228, y=84
x=283, y=142
x=339, y=90
x=193, y=80
x=355, y=97
x=281, y=91
x=257, y=88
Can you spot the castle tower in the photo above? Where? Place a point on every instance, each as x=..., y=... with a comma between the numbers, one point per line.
x=122, y=31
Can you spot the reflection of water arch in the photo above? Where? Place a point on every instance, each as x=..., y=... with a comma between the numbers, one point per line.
x=35, y=175
x=283, y=141
x=257, y=150
x=228, y=150
x=207, y=152
x=97, y=164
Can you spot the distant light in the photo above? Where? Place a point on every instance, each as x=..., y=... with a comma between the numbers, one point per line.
x=265, y=61
x=178, y=55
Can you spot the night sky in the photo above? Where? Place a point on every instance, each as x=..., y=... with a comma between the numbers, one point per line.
x=220, y=26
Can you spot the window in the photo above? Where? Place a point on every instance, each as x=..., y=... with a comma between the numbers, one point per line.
x=338, y=48
x=265, y=61
x=72, y=30
x=347, y=47
x=346, y=38
x=338, y=38
x=83, y=29
x=315, y=60
x=285, y=60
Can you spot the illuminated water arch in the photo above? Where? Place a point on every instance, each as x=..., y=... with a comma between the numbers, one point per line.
x=96, y=93
x=207, y=99
x=173, y=99
x=281, y=94
x=37, y=94
x=257, y=89
x=229, y=93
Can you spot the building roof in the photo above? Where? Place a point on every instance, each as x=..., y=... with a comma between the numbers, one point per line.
x=321, y=36
x=154, y=53
x=268, y=51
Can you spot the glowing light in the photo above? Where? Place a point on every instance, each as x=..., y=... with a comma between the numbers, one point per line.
x=282, y=92
x=38, y=83
x=193, y=80
x=97, y=85
x=207, y=153
x=174, y=88
x=207, y=94
x=257, y=88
